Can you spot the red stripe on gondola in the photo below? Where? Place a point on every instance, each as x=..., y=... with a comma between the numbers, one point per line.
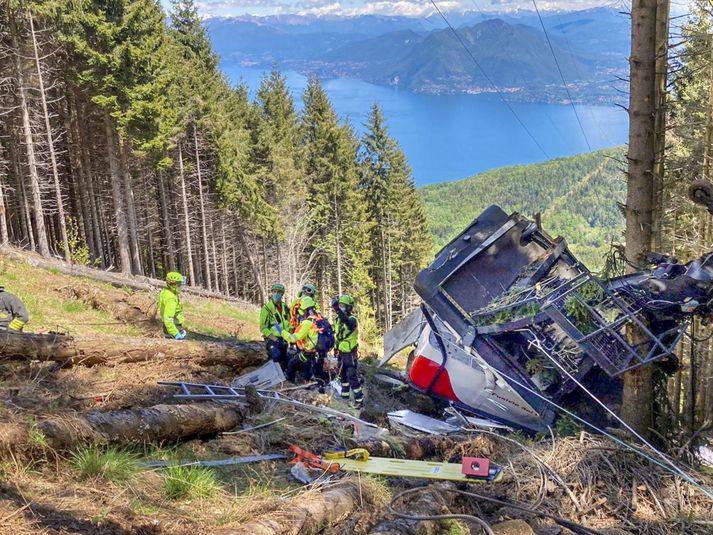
x=422, y=373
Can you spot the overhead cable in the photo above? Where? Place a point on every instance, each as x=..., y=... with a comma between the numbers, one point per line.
x=490, y=81
x=559, y=69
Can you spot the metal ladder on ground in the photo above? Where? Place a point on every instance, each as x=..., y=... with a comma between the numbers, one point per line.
x=198, y=392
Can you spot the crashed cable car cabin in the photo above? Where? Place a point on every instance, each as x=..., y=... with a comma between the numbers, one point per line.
x=509, y=316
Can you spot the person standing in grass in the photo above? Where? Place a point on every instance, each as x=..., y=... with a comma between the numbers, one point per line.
x=346, y=334
x=13, y=313
x=170, y=307
x=274, y=317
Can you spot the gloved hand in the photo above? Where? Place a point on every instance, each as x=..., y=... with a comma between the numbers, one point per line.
x=335, y=304
x=278, y=327
x=303, y=357
x=180, y=335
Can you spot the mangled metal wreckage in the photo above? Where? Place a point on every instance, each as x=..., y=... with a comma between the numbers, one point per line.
x=510, y=316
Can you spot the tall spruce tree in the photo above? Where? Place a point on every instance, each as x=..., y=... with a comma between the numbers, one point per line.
x=375, y=173
x=337, y=207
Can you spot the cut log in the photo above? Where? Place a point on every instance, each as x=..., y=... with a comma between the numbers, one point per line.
x=92, y=350
x=306, y=514
x=151, y=424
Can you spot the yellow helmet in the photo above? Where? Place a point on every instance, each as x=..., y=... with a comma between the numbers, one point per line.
x=174, y=277
x=306, y=303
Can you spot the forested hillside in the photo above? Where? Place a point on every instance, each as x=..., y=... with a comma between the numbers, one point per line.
x=122, y=146
x=577, y=196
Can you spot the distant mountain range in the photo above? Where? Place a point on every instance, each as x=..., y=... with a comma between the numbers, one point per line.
x=422, y=55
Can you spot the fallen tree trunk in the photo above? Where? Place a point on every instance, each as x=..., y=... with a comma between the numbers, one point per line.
x=306, y=514
x=92, y=350
x=150, y=424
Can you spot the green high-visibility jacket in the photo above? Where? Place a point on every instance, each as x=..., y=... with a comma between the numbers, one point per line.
x=13, y=313
x=346, y=333
x=272, y=314
x=305, y=336
x=171, y=310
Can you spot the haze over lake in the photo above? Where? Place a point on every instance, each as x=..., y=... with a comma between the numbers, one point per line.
x=449, y=137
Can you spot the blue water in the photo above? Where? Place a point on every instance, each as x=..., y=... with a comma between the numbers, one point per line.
x=449, y=137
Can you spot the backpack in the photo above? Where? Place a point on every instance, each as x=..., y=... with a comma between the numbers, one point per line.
x=325, y=341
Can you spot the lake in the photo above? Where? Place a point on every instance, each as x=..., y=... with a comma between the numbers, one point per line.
x=449, y=137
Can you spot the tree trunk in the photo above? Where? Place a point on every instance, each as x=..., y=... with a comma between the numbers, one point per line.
x=306, y=514
x=93, y=350
x=30, y=149
x=204, y=227
x=216, y=278
x=157, y=423
x=253, y=265
x=94, y=201
x=132, y=221
x=224, y=258
x=637, y=403
x=186, y=217
x=165, y=224
x=118, y=197
x=79, y=174
x=50, y=146
x=4, y=238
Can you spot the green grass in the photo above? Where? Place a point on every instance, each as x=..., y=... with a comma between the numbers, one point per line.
x=189, y=482
x=36, y=438
x=110, y=463
x=142, y=508
x=72, y=306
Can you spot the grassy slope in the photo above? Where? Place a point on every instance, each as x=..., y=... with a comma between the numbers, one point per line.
x=577, y=197
x=51, y=309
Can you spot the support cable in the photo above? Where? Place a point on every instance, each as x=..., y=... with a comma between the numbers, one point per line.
x=667, y=465
x=490, y=81
x=559, y=69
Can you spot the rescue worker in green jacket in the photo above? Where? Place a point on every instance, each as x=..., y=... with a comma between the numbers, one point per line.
x=308, y=290
x=13, y=313
x=305, y=338
x=346, y=346
x=274, y=318
x=170, y=307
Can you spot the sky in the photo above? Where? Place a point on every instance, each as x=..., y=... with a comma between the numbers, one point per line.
x=410, y=8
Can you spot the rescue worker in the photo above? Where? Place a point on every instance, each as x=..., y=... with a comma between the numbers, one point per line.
x=170, y=307
x=346, y=346
x=13, y=313
x=305, y=338
x=275, y=313
x=308, y=290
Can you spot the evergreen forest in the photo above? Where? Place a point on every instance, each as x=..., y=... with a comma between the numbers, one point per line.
x=579, y=197
x=122, y=146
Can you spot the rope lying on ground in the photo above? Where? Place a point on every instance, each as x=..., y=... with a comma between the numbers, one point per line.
x=576, y=528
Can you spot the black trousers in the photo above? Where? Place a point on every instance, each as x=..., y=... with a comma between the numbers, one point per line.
x=304, y=362
x=349, y=377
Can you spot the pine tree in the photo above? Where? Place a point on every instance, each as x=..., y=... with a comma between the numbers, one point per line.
x=336, y=205
x=375, y=170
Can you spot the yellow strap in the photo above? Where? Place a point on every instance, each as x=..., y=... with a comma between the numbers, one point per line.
x=408, y=468
x=356, y=453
